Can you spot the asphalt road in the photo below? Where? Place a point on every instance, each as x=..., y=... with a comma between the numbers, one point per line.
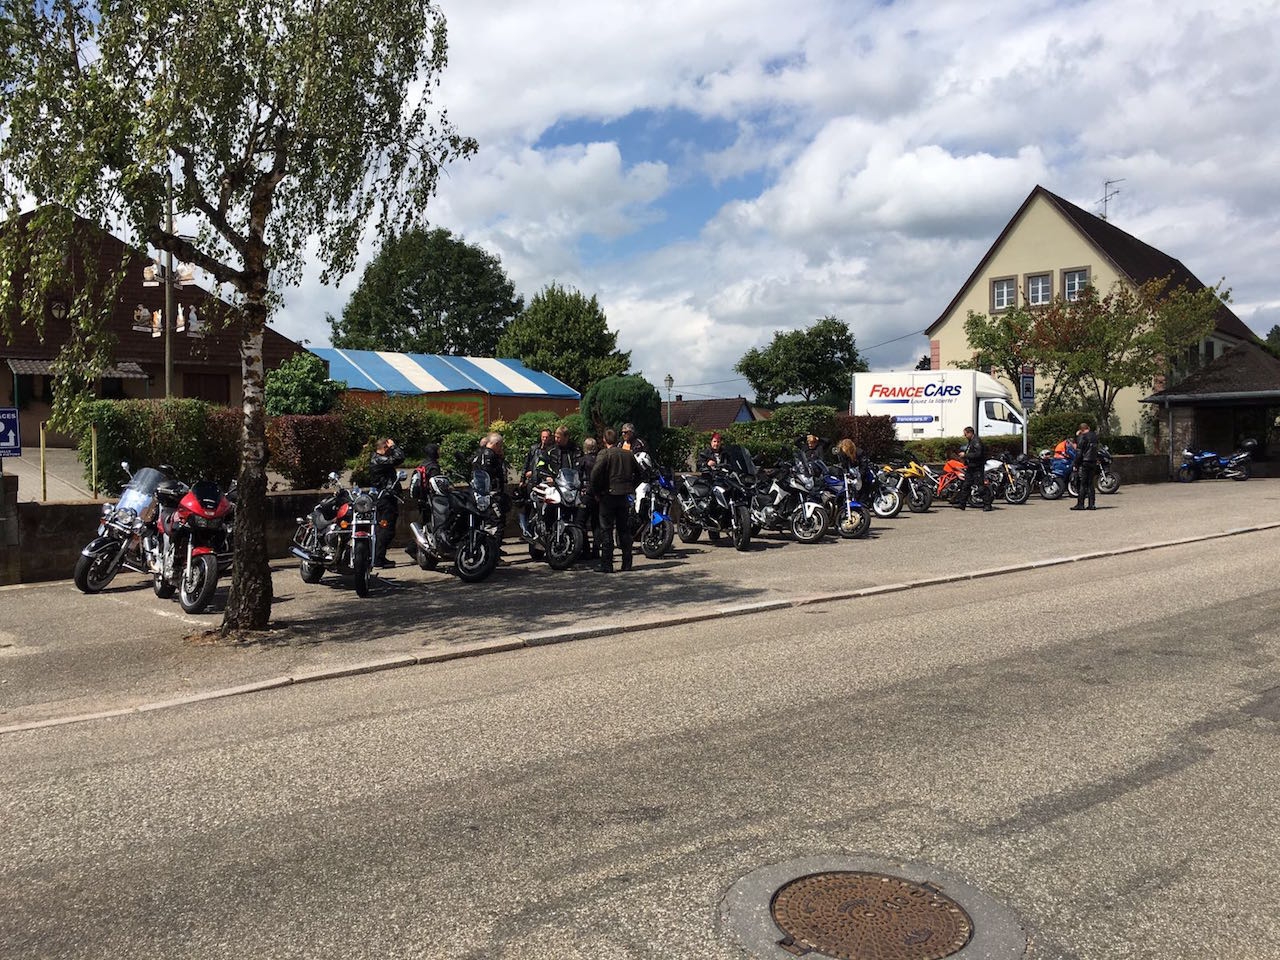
x=1090, y=745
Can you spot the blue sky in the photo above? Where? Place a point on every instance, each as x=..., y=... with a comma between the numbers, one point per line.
x=714, y=172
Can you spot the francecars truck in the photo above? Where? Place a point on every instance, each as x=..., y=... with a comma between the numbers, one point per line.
x=938, y=403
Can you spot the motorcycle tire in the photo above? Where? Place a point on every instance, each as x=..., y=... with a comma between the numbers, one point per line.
x=920, y=499
x=688, y=532
x=161, y=587
x=477, y=558
x=1186, y=474
x=742, y=531
x=195, y=592
x=1108, y=482
x=1244, y=472
x=1073, y=489
x=1052, y=489
x=1017, y=492
x=656, y=538
x=92, y=574
x=426, y=561
x=887, y=504
x=536, y=551
x=361, y=564
x=809, y=529
x=563, y=551
x=855, y=524
x=310, y=572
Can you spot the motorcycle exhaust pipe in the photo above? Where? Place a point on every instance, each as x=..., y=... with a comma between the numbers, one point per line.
x=420, y=537
x=301, y=554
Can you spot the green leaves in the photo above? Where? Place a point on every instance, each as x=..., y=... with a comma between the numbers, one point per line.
x=566, y=335
x=811, y=363
x=429, y=292
x=301, y=385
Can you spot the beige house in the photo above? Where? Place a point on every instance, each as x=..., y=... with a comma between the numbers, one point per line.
x=1052, y=248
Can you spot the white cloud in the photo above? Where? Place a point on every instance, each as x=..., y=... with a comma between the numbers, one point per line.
x=894, y=142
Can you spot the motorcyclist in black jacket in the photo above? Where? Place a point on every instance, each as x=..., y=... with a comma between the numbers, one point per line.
x=1086, y=464
x=562, y=455
x=384, y=479
x=975, y=461
x=490, y=459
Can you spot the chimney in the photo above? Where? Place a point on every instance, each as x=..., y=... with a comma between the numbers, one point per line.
x=679, y=398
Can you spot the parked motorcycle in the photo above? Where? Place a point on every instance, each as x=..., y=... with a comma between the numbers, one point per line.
x=1206, y=464
x=1006, y=480
x=1106, y=480
x=846, y=514
x=719, y=500
x=913, y=485
x=338, y=536
x=652, y=525
x=464, y=527
x=552, y=523
x=880, y=490
x=126, y=534
x=790, y=497
x=193, y=546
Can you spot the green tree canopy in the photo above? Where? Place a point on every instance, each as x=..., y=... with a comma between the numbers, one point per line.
x=811, y=363
x=1273, y=339
x=613, y=401
x=275, y=127
x=925, y=362
x=301, y=385
x=567, y=335
x=428, y=291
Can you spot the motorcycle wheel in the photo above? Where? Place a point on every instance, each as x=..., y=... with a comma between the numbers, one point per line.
x=1051, y=489
x=1073, y=488
x=195, y=592
x=1186, y=473
x=855, y=524
x=742, y=532
x=477, y=558
x=361, y=562
x=1017, y=492
x=1244, y=473
x=310, y=572
x=809, y=529
x=887, y=505
x=161, y=587
x=94, y=573
x=689, y=532
x=1108, y=482
x=655, y=538
x=564, y=550
x=920, y=498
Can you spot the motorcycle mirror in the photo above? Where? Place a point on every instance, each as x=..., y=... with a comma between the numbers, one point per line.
x=333, y=477
x=400, y=474
x=125, y=465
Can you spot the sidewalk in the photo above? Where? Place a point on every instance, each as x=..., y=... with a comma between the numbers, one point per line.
x=64, y=476
x=65, y=654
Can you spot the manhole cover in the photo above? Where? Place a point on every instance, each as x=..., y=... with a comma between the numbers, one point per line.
x=869, y=916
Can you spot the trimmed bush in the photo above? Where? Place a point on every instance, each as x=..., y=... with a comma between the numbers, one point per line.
x=1046, y=429
x=406, y=420
x=1125, y=443
x=613, y=401
x=199, y=440
x=301, y=385
x=305, y=449
x=673, y=447
x=874, y=436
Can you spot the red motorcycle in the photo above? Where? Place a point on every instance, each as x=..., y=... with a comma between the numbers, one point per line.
x=194, y=546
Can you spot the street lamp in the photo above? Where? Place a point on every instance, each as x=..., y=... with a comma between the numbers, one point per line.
x=58, y=310
x=669, y=383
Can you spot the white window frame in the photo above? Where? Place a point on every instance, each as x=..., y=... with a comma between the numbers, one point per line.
x=1067, y=276
x=1010, y=300
x=1042, y=282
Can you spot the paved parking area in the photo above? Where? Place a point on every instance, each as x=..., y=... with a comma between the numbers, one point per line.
x=63, y=653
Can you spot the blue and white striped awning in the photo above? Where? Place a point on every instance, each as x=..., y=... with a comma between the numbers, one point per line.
x=416, y=373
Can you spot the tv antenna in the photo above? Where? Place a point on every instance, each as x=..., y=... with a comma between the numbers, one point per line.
x=1108, y=193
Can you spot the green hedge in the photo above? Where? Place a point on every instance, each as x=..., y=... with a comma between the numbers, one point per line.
x=306, y=448
x=938, y=449
x=1125, y=443
x=1047, y=429
x=198, y=439
x=405, y=420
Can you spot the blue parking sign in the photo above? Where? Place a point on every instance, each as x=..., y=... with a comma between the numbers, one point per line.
x=10, y=434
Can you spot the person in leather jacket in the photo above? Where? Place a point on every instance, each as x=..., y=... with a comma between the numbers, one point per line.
x=536, y=453
x=590, y=502
x=563, y=454
x=490, y=459
x=1086, y=465
x=630, y=441
x=975, y=460
x=711, y=457
x=614, y=479
x=383, y=477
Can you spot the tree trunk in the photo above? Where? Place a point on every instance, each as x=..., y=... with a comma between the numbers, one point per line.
x=249, y=605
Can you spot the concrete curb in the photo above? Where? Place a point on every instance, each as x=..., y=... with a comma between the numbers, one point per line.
x=570, y=634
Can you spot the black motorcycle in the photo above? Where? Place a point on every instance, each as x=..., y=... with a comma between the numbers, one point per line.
x=719, y=500
x=127, y=533
x=463, y=527
x=790, y=497
x=339, y=534
x=552, y=522
x=1105, y=478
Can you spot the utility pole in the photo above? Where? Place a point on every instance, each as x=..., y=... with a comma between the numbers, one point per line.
x=168, y=291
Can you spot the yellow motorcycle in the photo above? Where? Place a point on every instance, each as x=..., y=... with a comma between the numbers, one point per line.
x=913, y=484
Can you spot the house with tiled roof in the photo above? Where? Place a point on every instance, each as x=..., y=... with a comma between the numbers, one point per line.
x=1053, y=248
x=710, y=414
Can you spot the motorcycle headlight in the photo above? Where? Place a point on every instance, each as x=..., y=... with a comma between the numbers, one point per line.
x=570, y=496
x=362, y=503
x=107, y=508
x=482, y=503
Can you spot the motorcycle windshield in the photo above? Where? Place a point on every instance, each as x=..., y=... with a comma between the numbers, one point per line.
x=568, y=479
x=481, y=483
x=738, y=459
x=140, y=492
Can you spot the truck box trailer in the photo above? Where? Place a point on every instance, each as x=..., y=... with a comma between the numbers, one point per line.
x=938, y=403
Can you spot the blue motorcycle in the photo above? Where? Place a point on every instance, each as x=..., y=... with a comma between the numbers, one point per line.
x=653, y=525
x=840, y=491
x=1209, y=465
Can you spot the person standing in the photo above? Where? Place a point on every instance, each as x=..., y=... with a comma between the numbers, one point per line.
x=614, y=480
x=489, y=459
x=630, y=441
x=384, y=478
x=1086, y=466
x=590, y=502
x=975, y=460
